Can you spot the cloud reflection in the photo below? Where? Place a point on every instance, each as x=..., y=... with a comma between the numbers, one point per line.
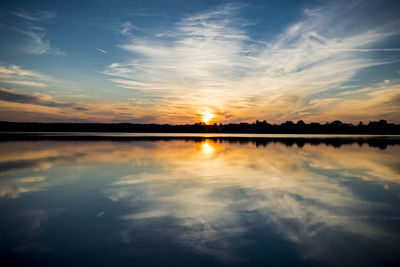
x=12, y=188
x=213, y=193
x=300, y=193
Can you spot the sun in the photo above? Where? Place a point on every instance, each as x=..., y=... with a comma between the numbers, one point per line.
x=207, y=117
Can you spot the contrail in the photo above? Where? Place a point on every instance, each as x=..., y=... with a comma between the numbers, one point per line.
x=101, y=50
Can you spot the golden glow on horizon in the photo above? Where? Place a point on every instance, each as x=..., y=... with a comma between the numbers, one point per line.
x=207, y=117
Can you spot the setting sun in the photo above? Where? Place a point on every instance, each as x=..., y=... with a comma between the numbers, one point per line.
x=207, y=116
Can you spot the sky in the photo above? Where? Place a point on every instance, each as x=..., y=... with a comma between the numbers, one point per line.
x=181, y=62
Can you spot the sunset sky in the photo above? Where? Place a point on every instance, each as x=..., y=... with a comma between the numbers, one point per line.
x=179, y=62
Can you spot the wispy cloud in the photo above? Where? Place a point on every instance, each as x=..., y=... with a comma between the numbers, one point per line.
x=208, y=60
x=127, y=27
x=19, y=71
x=381, y=101
x=25, y=83
x=13, y=74
x=39, y=43
x=35, y=16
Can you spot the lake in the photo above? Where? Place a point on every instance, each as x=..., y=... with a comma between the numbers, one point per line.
x=178, y=200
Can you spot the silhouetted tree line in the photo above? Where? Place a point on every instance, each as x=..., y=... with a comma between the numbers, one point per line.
x=381, y=142
x=289, y=127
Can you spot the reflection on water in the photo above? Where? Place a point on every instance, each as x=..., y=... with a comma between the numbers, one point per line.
x=199, y=202
x=207, y=148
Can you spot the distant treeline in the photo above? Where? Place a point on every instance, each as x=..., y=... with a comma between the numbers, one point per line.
x=289, y=127
x=381, y=142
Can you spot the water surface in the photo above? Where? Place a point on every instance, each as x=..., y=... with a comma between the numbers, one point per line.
x=200, y=201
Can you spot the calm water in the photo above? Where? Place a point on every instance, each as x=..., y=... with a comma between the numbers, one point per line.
x=194, y=202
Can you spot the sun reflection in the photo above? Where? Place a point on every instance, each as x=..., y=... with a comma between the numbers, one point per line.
x=207, y=148
x=207, y=116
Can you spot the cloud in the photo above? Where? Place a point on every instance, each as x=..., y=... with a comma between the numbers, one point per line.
x=13, y=74
x=208, y=60
x=35, y=16
x=380, y=101
x=34, y=99
x=129, y=83
x=18, y=71
x=17, y=106
x=127, y=27
x=39, y=43
x=25, y=83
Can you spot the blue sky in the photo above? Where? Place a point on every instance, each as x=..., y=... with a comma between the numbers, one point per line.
x=177, y=61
